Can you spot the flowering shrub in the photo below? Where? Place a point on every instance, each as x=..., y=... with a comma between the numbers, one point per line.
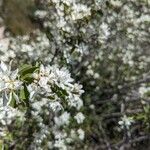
x=105, y=46
x=39, y=98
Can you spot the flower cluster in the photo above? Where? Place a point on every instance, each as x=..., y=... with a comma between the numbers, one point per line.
x=47, y=95
x=105, y=46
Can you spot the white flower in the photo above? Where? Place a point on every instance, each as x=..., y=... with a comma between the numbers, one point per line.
x=60, y=143
x=63, y=119
x=8, y=114
x=80, y=11
x=143, y=90
x=37, y=105
x=77, y=89
x=59, y=134
x=40, y=13
x=8, y=78
x=73, y=134
x=81, y=134
x=75, y=101
x=125, y=121
x=33, y=90
x=103, y=32
x=43, y=77
x=62, y=77
x=9, y=83
x=56, y=106
x=79, y=117
x=116, y=3
x=4, y=43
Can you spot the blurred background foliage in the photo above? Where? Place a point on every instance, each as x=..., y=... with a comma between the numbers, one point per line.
x=17, y=16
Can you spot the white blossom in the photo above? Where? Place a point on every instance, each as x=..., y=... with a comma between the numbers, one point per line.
x=79, y=117
x=81, y=134
x=9, y=83
x=126, y=121
x=63, y=119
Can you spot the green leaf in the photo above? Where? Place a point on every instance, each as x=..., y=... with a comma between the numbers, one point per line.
x=13, y=102
x=28, y=78
x=27, y=69
x=24, y=95
x=1, y=144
